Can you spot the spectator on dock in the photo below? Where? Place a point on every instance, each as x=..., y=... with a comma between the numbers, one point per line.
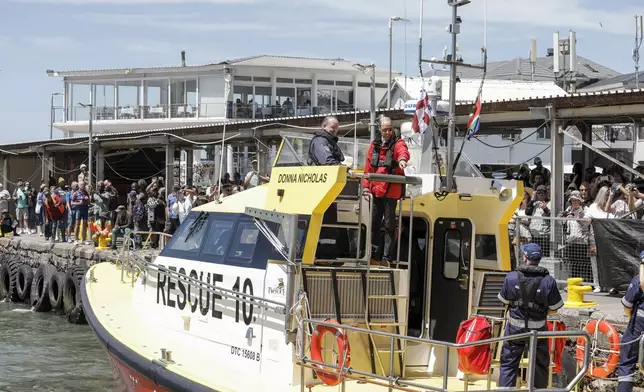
x=83, y=176
x=22, y=207
x=140, y=218
x=122, y=225
x=55, y=216
x=9, y=225
x=80, y=200
x=539, y=169
x=40, y=208
x=4, y=199
x=173, y=213
x=32, y=195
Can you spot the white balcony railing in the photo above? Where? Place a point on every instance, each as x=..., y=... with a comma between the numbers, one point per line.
x=203, y=110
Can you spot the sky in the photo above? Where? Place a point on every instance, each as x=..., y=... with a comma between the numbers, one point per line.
x=36, y=35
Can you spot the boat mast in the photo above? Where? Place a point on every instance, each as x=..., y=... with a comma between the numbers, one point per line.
x=453, y=61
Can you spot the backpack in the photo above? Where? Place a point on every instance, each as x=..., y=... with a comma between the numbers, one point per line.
x=528, y=288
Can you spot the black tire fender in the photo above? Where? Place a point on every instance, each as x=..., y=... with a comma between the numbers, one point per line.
x=72, y=306
x=12, y=286
x=40, y=288
x=4, y=281
x=55, y=291
x=23, y=287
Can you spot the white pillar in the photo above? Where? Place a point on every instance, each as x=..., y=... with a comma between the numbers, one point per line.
x=246, y=162
x=273, y=88
x=355, y=91
x=230, y=167
x=314, y=91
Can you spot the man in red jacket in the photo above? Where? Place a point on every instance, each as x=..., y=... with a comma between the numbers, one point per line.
x=386, y=156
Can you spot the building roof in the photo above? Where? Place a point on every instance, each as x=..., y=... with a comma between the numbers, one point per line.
x=271, y=61
x=493, y=90
x=521, y=69
x=268, y=61
x=625, y=81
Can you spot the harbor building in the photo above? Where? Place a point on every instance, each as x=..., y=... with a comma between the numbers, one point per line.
x=257, y=87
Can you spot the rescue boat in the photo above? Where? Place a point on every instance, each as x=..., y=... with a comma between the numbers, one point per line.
x=237, y=301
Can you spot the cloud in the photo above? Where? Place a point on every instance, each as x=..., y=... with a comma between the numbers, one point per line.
x=569, y=14
x=53, y=43
x=176, y=22
x=153, y=47
x=4, y=41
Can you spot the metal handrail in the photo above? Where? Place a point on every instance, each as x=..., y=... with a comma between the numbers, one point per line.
x=391, y=178
x=394, y=382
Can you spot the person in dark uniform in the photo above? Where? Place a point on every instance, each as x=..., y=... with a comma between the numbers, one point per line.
x=324, y=151
x=633, y=303
x=531, y=294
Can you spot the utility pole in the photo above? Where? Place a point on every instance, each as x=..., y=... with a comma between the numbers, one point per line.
x=636, y=49
x=454, y=29
x=372, y=111
x=53, y=116
x=89, y=139
x=392, y=19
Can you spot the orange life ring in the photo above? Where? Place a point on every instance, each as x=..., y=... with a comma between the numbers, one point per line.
x=329, y=377
x=610, y=365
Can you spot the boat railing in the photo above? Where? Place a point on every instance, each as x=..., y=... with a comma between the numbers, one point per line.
x=133, y=264
x=393, y=382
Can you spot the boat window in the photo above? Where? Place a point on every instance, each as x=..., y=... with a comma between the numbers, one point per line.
x=485, y=247
x=219, y=237
x=190, y=234
x=245, y=241
x=452, y=254
x=301, y=236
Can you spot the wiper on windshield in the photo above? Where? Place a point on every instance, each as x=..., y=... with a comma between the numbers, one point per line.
x=197, y=224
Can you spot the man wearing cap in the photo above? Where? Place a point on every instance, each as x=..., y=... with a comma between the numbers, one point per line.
x=531, y=294
x=633, y=303
x=539, y=169
x=82, y=176
x=122, y=225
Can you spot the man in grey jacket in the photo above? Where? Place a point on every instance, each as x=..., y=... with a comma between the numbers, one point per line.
x=324, y=151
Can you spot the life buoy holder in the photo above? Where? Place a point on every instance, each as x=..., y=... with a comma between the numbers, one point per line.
x=606, y=328
x=330, y=377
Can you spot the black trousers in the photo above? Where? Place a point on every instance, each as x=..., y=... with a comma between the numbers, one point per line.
x=384, y=216
x=511, y=354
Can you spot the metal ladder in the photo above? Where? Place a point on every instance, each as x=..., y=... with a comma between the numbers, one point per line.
x=396, y=347
x=378, y=350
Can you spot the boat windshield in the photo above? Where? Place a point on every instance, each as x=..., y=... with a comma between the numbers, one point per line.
x=295, y=150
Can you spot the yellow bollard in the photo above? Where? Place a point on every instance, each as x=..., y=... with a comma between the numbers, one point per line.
x=103, y=242
x=576, y=294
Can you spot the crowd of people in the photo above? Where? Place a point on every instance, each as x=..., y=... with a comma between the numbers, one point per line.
x=79, y=212
x=612, y=194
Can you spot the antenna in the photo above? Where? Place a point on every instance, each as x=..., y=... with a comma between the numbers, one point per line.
x=572, y=49
x=636, y=49
x=533, y=58
x=555, y=55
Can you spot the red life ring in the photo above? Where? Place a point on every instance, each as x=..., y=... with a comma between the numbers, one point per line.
x=613, y=358
x=330, y=377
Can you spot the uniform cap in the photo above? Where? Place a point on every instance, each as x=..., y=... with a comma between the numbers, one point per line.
x=532, y=251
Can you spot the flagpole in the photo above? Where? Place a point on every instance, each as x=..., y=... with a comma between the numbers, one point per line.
x=420, y=42
x=485, y=27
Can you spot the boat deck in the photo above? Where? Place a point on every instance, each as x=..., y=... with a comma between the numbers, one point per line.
x=130, y=324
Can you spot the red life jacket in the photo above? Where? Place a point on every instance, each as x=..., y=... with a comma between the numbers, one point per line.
x=383, y=159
